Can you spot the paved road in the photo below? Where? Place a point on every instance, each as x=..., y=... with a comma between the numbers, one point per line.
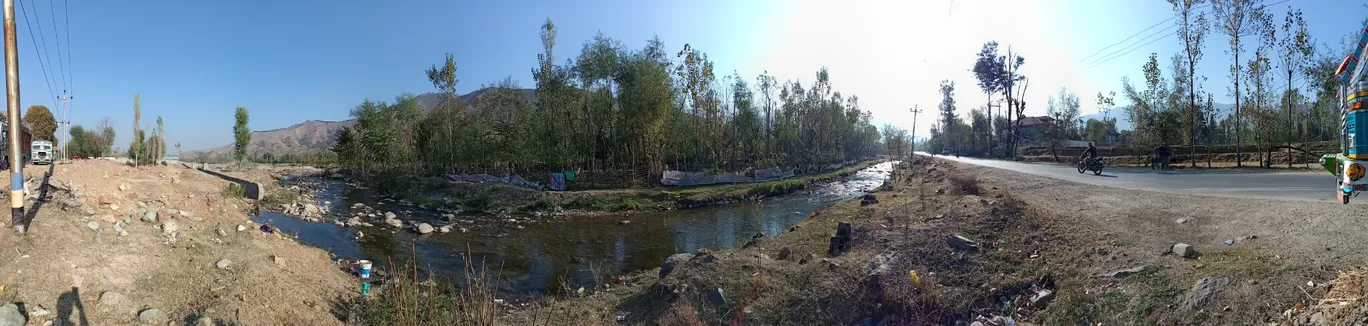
x=1318, y=186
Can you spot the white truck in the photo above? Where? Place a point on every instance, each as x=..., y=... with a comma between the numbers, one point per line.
x=42, y=152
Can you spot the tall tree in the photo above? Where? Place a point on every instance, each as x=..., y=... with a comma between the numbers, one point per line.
x=241, y=135
x=766, y=84
x=990, y=69
x=1237, y=19
x=1293, y=48
x=135, y=149
x=947, y=111
x=1192, y=30
x=1064, y=113
x=42, y=123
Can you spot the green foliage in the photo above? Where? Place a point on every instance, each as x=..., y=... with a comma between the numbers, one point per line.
x=610, y=109
x=140, y=150
x=85, y=143
x=234, y=190
x=241, y=135
x=41, y=122
x=481, y=202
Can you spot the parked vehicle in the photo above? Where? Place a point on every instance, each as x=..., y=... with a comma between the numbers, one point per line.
x=42, y=152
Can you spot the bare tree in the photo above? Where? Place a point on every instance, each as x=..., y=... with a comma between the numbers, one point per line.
x=1293, y=48
x=1237, y=18
x=1192, y=30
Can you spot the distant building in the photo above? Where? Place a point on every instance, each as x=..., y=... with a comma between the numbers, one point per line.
x=1033, y=129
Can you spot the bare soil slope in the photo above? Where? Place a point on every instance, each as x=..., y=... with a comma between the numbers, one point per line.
x=75, y=263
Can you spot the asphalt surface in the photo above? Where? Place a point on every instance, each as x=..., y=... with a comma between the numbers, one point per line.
x=1315, y=186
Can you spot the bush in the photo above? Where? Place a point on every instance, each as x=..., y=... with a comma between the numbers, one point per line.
x=235, y=190
x=480, y=203
x=965, y=185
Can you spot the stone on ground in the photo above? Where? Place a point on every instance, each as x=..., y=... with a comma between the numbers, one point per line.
x=1184, y=250
x=153, y=316
x=150, y=216
x=111, y=298
x=169, y=227
x=10, y=315
x=1205, y=291
x=961, y=243
x=672, y=261
x=223, y=263
x=93, y=225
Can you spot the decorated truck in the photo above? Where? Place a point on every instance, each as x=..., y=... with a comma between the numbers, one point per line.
x=1348, y=165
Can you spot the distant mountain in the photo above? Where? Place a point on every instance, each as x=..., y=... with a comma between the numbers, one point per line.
x=315, y=135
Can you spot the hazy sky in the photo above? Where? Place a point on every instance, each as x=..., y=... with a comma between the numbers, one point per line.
x=291, y=61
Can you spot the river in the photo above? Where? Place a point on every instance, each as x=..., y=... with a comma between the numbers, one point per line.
x=561, y=252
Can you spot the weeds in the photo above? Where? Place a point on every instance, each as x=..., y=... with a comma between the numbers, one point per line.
x=480, y=202
x=405, y=301
x=234, y=190
x=965, y=185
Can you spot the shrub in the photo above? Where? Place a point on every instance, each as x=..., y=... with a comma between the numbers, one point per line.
x=235, y=190
x=965, y=185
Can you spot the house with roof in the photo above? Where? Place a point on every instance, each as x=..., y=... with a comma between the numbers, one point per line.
x=1033, y=129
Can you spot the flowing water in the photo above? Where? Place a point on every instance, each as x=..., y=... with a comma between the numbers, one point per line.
x=559, y=253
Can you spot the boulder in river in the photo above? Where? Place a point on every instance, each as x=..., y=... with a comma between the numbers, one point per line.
x=424, y=228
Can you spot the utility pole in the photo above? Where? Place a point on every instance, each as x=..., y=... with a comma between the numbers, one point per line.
x=915, y=109
x=65, y=123
x=16, y=193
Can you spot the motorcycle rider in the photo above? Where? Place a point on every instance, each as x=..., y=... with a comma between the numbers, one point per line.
x=1088, y=154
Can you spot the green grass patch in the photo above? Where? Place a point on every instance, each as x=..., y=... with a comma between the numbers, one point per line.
x=611, y=204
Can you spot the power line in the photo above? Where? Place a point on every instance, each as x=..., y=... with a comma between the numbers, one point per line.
x=1131, y=48
x=1175, y=16
x=57, y=39
x=43, y=40
x=1127, y=39
x=51, y=94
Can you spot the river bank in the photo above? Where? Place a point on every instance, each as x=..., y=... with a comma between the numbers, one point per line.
x=442, y=194
x=110, y=244
x=538, y=254
x=948, y=243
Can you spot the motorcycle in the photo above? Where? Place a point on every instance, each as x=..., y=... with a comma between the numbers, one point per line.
x=1095, y=166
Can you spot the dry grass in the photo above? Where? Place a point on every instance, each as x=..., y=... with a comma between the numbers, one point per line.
x=403, y=300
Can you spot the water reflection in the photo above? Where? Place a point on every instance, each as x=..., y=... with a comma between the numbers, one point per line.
x=565, y=253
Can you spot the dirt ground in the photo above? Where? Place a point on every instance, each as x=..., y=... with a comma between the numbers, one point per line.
x=1046, y=251
x=99, y=277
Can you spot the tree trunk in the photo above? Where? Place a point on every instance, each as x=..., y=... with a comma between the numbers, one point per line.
x=1239, y=157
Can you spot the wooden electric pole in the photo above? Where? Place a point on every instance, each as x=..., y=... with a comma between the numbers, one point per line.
x=16, y=168
x=913, y=148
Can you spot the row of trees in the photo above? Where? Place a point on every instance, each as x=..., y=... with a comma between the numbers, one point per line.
x=145, y=149
x=92, y=143
x=614, y=109
x=1269, y=107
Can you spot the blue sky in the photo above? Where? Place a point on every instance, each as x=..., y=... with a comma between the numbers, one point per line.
x=291, y=61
